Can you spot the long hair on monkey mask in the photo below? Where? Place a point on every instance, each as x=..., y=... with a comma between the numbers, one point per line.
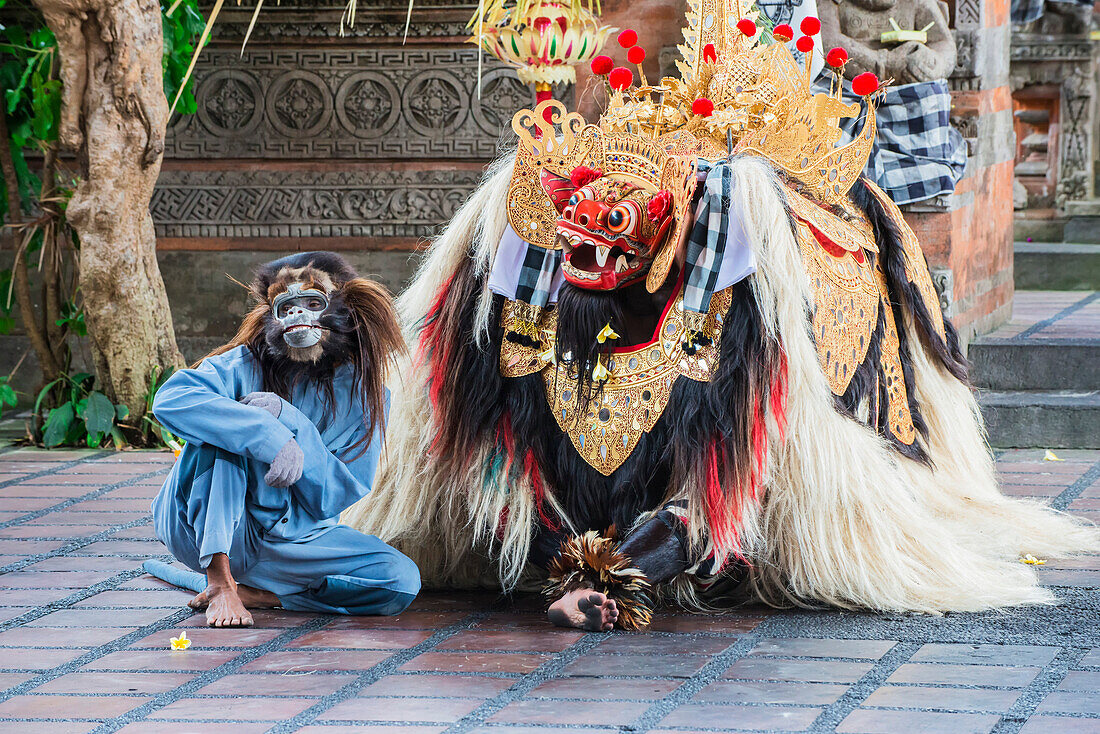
x=353, y=321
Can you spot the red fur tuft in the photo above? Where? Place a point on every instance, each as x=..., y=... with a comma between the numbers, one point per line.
x=531, y=468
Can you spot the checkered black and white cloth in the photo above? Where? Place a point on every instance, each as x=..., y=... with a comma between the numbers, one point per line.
x=1029, y=11
x=718, y=252
x=917, y=153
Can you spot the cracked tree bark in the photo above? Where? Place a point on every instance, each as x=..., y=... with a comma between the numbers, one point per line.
x=114, y=115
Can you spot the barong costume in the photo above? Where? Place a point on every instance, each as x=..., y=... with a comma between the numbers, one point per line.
x=799, y=425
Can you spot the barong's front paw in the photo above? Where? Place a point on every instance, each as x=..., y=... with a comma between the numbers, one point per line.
x=585, y=609
x=286, y=467
x=268, y=401
x=224, y=608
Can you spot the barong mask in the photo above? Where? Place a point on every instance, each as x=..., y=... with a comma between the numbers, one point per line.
x=610, y=229
x=614, y=202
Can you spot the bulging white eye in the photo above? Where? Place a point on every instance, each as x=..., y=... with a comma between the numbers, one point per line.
x=623, y=218
x=584, y=192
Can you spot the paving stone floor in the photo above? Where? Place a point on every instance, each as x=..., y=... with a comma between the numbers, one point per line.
x=1038, y=315
x=84, y=643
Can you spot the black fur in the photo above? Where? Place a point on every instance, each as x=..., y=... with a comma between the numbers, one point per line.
x=582, y=314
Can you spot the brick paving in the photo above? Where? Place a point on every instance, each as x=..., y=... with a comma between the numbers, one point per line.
x=84, y=640
x=1038, y=315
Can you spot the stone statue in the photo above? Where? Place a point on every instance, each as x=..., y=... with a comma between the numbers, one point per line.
x=858, y=25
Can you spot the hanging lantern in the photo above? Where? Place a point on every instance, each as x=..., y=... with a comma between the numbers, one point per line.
x=542, y=40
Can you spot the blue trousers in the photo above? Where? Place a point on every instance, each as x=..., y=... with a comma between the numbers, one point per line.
x=203, y=508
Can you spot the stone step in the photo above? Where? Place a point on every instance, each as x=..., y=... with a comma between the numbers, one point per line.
x=1035, y=364
x=1057, y=266
x=1059, y=419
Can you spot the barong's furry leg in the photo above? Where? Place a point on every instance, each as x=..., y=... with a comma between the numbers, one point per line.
x=591, y=561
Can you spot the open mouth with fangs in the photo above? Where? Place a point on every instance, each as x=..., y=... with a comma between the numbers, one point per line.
x=593, y=261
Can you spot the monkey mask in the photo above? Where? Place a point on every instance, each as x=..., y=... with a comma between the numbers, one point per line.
x=298, y=311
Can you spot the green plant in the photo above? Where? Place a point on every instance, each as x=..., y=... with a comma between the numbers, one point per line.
x=155, y=433
x=7, y=393
x=85, y=417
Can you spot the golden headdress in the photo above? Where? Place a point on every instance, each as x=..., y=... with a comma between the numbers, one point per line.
x=740, y=91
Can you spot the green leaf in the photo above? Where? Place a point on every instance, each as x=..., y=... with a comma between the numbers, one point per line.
x=45, y=391
x=121, y=412
x=7, y=394
x=93, y=440
x=118, y=439
x=58, y=423
x=99, y=416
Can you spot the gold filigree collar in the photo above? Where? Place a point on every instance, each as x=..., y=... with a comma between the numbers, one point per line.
x=605, y=429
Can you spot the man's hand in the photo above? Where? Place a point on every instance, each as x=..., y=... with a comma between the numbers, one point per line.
x=286, y=467
x=269, y=401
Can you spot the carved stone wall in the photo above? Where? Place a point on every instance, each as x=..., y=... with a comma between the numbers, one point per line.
x=357, y=141
x=255, y=204
x=1069, y=64
x=347, y=104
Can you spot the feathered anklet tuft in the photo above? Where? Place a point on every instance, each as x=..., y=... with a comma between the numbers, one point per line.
x=591, y=561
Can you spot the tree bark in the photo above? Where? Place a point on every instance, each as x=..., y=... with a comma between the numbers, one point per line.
x=114, y=114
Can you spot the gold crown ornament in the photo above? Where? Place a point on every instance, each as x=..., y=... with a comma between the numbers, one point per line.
x=742, y=91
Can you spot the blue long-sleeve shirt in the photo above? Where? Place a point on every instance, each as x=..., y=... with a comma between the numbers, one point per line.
x=200, y=405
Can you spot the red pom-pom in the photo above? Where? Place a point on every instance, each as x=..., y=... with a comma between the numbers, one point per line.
x=583, y=175
x=702, y=107
x=636, y=55
x=709, y=54
x=602, y=65
x=805, y=44
x=783, y=32
x=659, y=206
x=864, y=84
x=836, y=57
x=810, y=25
x=628, y=38
x=747, y=27
x=620, y=78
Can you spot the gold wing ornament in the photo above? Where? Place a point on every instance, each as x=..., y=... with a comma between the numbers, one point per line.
x=553, y=140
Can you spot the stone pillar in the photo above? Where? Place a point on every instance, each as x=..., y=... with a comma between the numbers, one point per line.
x=967, y=236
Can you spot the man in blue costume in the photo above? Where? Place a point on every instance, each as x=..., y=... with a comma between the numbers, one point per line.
x=284, y=427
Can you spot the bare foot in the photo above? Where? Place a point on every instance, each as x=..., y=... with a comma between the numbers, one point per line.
x=222, y=597
x=251, y=597
x=585, y=609
x=224, y=608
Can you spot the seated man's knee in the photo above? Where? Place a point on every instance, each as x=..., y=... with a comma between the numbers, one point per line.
x=403, y=574
x=402, y=581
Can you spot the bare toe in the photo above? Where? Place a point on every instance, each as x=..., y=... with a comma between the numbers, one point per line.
x=200, y=601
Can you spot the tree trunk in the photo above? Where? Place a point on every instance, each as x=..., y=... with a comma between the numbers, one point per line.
x=114, y=114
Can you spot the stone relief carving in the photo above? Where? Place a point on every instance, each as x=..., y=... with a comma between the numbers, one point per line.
x=859, y=24
x=300, y=20
x=347, y=103
x=943, y=280
x=308, y=203
x=1068, y=63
